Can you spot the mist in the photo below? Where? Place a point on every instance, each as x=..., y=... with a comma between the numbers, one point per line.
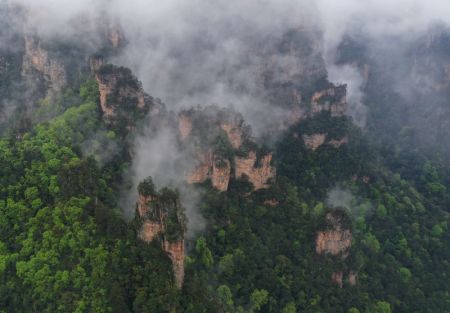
x=201, y=52
x=341, y=197
x=389, y=31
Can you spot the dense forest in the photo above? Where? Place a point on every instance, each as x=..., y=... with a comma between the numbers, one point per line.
x=354, y=220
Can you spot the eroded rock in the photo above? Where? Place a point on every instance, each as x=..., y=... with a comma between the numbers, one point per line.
x=336, y=239
x=258, y=174
x=122, y=99
x=333, y=99
x=155, y=209
x=38, y=60
x=211, y=167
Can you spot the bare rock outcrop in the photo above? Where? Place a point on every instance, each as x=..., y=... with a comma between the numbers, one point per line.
x=334, y=242
x=314, y=141
x=211, y=167
x=155, y=209
x=338, y=278
x=335, y=239
x=221, y=174
x=37, y=60
x=258, y=174
x=352, y=278
x=219, y=138
x=176, y=251
x=122, y=98
x=333, y=99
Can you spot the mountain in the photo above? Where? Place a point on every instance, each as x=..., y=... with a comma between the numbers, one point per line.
x=255, y=192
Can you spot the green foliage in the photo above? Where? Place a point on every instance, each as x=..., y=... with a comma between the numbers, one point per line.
x=289, y=308
x=225, y=297
x=147, y=187
x=257, y=299
x=63, y=247
x=381, y=307
x=89, y=91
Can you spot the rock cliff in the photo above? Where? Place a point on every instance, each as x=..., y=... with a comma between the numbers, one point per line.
x=214, y=167
x=333, y=99
x=122, y=100
x=314, y=141
x=258, y=174
x=336, y=239
x=38, y=61
x=163, y=219
x=219, y=137
x=339, y=277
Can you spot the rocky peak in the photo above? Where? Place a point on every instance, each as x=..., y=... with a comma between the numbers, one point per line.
x=122, y=99
x=224, y=148
x=163, y=219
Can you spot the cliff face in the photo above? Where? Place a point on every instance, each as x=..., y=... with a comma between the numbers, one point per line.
x=122, y=99
x=155, y=209
x=218, y=135
x=219, y=170
x=333, y=99
x=259, y=175
x=37, y=60
x=314, y=141
x=211, y=167
x=340, y=277
x=221, y=174
x=335, y=240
